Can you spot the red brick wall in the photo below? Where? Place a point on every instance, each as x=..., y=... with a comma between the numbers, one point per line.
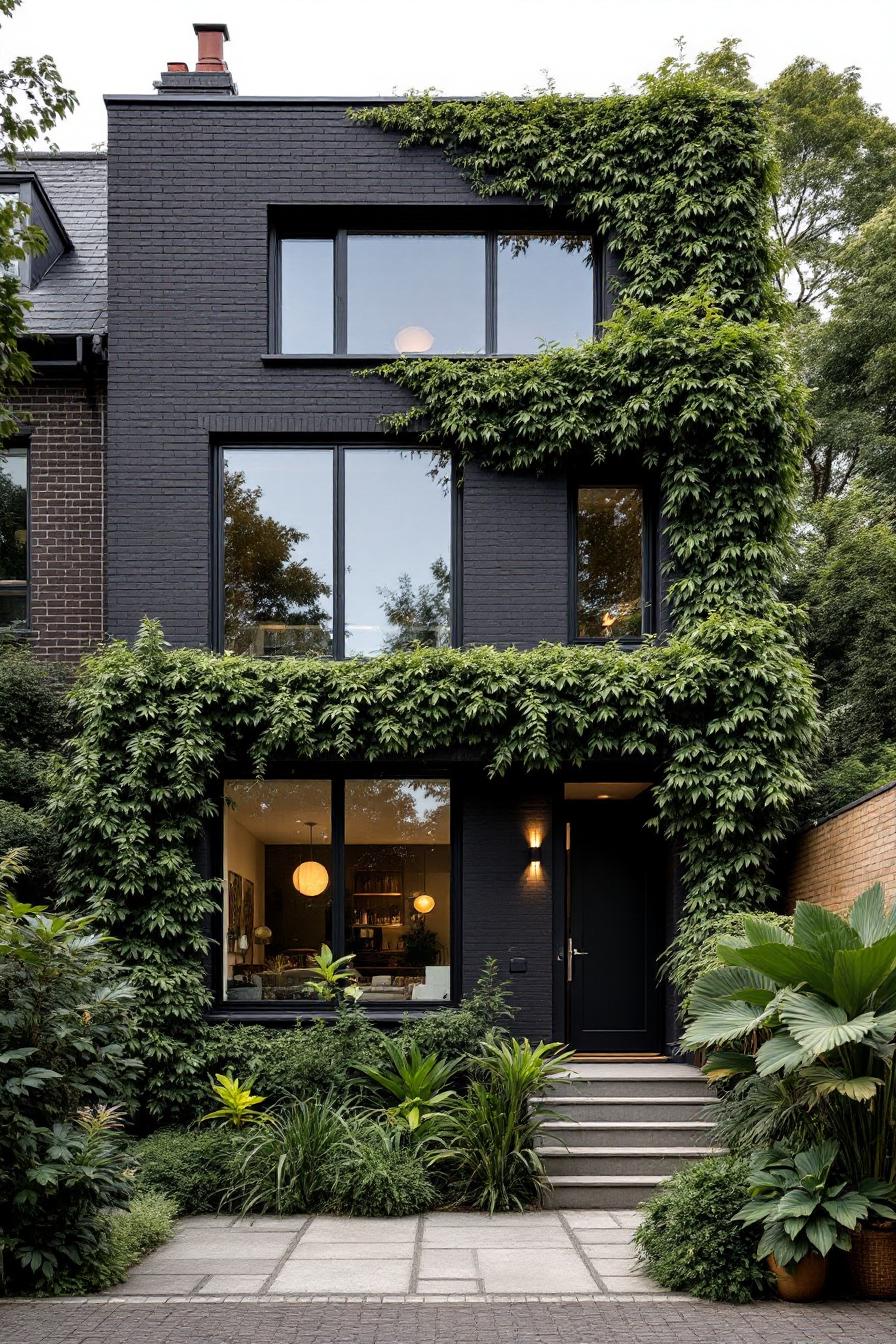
x=65, y=417
x=835, y=861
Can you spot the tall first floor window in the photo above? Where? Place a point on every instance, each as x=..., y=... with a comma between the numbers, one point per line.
x=363, y=865
x=13, y=538
x=335, y=551
x=609, y=562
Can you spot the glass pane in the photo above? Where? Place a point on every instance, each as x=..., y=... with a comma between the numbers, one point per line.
x=278, y=550
x=14, y=514
x=416, y=293
x=545, y=291
x=306, y=296
x=397, y=552
x=609, y=562
x=13, y=609
x=398, y=887
x=277, y=886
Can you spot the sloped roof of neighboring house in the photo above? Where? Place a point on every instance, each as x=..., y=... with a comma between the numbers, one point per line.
x=71, y=297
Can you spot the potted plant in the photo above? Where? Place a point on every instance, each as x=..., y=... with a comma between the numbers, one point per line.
x=805, y=1212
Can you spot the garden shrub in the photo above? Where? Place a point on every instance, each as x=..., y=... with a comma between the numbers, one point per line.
x=289, y=1164
x=689, y=1240
x=125, y=1237
x=192, y=1167
x=381, y=1175
x=33, y=720
x=65, y=1067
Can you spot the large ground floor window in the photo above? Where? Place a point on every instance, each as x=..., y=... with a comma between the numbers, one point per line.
x=363, y=865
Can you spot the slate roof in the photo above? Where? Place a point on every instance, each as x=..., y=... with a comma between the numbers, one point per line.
x=71, y=298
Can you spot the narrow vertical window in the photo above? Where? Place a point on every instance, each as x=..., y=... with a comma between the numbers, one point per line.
x=278, y=886
x=397, y=552
x=398, y=887
x=306, y=296
x=13, y=538
x=609, y=540
x=278, y=551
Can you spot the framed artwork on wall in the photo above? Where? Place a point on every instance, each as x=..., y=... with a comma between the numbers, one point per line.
x=249, y=909
x=235, y=903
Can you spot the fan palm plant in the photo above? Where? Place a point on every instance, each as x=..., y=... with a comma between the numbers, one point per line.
x=819, y=1007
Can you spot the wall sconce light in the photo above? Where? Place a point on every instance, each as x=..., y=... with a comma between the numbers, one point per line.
x=535, y=855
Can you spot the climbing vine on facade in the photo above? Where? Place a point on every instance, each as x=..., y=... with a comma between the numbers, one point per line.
x=689, y=378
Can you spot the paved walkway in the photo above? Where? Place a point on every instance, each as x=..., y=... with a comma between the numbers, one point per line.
x=274, y=1320
x=439, y=1256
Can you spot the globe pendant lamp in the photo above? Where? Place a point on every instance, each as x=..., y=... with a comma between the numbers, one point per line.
x=423, y=902
x=311, y=878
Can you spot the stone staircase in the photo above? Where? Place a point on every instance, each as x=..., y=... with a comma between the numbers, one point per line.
x=620, y=1129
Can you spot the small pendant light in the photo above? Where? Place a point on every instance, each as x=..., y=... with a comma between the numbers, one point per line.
x=311, y=878
x=424, y=903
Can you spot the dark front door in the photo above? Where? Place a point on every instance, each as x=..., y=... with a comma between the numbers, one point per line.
x=616, y=908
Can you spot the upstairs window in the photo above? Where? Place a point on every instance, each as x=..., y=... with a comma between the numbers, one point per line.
x=14, y=539
x=609, y=559
x=382, y=293
x=336, y=551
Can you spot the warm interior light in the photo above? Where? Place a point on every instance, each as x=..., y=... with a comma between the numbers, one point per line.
x=603, y=795
x=263, y=934
x=423, y=903
x=413, y=341
x=310, y=878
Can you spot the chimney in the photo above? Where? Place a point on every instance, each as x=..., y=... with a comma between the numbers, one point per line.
x=212, y=37
x=211, y=74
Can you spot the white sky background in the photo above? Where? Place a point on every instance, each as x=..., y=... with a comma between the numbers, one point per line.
x=455, y=46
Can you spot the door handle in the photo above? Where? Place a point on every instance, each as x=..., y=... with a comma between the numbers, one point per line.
x=570, y=953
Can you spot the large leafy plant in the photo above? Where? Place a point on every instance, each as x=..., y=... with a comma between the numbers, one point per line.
x=65, y=1050
x=818, y=1005
x=418, y=1082
x=804, y=1207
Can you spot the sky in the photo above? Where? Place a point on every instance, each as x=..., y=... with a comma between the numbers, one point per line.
x=300, y=47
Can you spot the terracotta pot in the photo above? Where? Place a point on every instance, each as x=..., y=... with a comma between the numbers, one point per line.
x=802, y=1282
x=872, y=1261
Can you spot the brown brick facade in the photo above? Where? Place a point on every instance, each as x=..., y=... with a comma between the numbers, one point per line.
x=836, y=860
x=65, y=417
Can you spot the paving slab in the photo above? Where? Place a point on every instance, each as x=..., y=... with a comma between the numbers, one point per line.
x=234, y=1283
x=525, y=1271
x=270, y=1223
x=227, y=1244
x=344, y=1276
x=592, y=1237
x=448, y=1264
x=362, y=1229
x=586, y=1219
x=496, y=1236
x=213, y=1264
x=160, y=1285
x=351, y=1250
x=448, y=1287
x=630, y=1283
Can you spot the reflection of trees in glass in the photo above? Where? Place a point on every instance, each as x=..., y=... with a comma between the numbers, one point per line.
x=262, y=583
x=13, y=522
x=609, y=563
x=418, y=616
x=416, y=810
x=517, y=243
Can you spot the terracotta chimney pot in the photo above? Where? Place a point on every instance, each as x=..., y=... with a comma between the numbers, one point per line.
x=212, y=37
x=178, y=68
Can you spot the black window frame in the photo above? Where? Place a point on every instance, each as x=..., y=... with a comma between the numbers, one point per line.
x=20, y=445
x=338, y=450
x=649, y=578
x=291, y=1010
x=603, y=273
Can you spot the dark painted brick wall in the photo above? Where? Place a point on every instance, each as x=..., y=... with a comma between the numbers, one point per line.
x=65, y=419
x=189, y=188
x=507, y=908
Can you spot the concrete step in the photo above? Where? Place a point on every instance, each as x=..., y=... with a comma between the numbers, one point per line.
x=627, y=1134
x=600, y=1192
x=604, y=1161
x=637, y=1109
x=630, y=1080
